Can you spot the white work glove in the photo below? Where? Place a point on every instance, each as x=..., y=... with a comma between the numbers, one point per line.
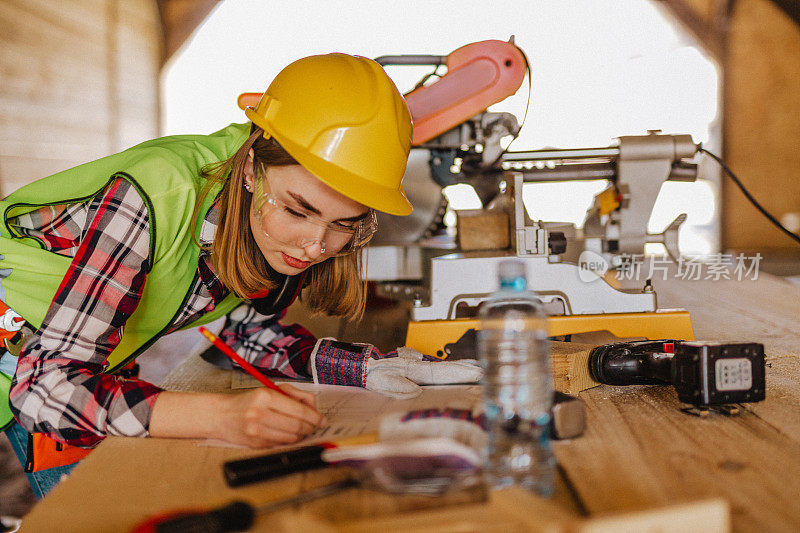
x=467, y=426
x=398, y=373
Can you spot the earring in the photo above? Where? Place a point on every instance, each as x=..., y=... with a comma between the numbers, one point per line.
x=247, y=187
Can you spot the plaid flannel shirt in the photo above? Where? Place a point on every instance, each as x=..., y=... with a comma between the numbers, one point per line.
x=59, y=388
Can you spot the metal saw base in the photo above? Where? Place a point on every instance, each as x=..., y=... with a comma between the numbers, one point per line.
x=431, y=336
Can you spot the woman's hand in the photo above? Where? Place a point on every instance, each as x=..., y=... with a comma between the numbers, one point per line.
x=398, y=373
x=256, y=418
x=262, y=417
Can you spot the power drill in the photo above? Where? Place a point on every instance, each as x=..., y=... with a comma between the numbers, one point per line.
x=705, y=374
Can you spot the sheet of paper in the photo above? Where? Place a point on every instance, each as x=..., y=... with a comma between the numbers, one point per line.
x=352, y=411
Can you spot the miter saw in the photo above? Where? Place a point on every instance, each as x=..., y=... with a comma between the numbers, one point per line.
x=456, y=140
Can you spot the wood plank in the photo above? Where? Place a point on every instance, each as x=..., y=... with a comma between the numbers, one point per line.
x=38, y=25
x=46, y=50
x=760, y=144
x=644, y=452
x=502, y=514
x=506, y=511
x=765, y=310
x=75, y=17
x=37, y=72
x=707, y=516
x=28, y=117
x=69, y=144
x=60, y=93
x=141, y=16
x=511, y=510
x=159, y=475
x=134, y=132
x=78, y=145
x=138, y=32
x=137, y=64
x=639, y=453
x=782, y=408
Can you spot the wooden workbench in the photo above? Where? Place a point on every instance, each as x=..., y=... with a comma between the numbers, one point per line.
x=639, y=457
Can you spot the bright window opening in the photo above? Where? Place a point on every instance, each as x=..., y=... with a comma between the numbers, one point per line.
x=599, y=70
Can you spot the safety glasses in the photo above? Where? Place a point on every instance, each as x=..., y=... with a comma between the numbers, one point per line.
x=285, y=221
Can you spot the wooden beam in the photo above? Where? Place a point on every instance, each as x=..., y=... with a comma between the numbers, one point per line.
x=791, y=8
x=179, y=19
x=708, y=34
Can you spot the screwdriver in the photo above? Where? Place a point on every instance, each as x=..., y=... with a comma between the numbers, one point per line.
x=235, y=516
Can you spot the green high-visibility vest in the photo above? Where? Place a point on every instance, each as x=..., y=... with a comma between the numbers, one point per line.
x=166, y=172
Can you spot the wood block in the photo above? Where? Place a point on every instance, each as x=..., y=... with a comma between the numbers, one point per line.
x=571, y=366
x=706, y=516
x=481, y=229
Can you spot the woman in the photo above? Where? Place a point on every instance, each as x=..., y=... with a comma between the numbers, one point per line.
x=101, y=260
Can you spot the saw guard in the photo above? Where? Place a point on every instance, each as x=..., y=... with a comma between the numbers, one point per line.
x=478, y=75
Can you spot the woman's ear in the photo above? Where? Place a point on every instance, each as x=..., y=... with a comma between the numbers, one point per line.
x=248, y=171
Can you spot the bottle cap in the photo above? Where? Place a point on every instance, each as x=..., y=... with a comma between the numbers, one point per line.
x=511, y=269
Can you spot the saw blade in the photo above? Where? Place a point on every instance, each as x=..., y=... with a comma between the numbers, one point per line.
x=427, y=199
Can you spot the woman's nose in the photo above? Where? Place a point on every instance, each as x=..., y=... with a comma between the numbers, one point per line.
x=314, y=249
x=315, y=244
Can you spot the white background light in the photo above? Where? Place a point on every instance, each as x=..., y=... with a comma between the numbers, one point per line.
x=599, y=70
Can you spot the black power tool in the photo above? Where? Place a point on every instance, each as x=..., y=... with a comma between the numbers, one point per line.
x=705, y=374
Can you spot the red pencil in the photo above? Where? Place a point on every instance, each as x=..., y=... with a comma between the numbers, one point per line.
x=250, y=369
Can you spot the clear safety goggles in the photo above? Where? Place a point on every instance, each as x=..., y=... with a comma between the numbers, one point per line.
x=287, y=222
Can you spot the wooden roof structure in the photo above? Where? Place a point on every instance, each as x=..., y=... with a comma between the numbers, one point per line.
x=179, y=19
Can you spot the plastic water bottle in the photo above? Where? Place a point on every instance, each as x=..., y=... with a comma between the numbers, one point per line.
x=513, y=346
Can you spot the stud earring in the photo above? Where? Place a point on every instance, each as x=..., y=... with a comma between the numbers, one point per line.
x=247, y=187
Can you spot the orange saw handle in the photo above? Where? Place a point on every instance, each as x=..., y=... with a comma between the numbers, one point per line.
x=478, y=75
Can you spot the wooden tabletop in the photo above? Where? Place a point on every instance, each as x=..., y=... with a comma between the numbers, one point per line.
x=641, y=464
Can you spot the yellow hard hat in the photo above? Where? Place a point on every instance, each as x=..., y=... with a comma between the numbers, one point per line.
x=342, y=118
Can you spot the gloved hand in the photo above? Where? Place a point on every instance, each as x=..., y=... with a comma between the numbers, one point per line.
x=467, y=426
x=397, y=373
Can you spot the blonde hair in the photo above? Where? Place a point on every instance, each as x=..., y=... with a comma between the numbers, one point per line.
x=334, y=286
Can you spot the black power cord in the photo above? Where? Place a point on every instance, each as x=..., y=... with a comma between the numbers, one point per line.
x=749, y=196
x=527, y=106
